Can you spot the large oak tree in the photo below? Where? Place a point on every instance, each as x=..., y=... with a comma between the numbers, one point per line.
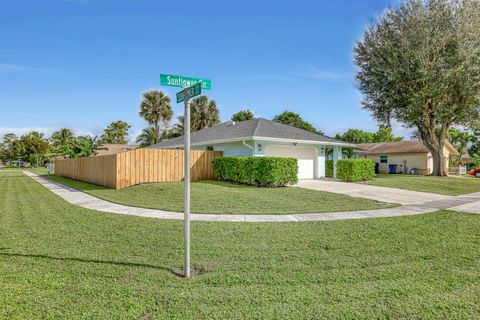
x=420, y=64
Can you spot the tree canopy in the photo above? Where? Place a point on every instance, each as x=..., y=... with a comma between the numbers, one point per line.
x=294, y=119
x=420, y=65
x=82, y=146
x=204, y=113
x=475, y=148
x=243, y=115
x=147, y=137
x=461, y=140
x=384, y=134
x=155, y=108
x=115, y=133
x=355, y=136
x=61, y=137
x=11, y=149
x=33, y=147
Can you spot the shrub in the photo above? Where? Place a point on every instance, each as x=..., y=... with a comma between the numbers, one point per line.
x=352, y=170
x=329, y=168
x=475, y=161
x=258, y=171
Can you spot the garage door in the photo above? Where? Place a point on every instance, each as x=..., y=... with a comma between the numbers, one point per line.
x=305, y=156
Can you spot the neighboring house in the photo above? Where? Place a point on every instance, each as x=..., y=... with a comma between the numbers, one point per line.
x=407, y=155
x=260, y=137
x=107, y=149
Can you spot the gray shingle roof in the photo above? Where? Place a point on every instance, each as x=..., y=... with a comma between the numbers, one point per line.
x=246, y=130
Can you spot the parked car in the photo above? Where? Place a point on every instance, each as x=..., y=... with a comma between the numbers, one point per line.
x=475, y=172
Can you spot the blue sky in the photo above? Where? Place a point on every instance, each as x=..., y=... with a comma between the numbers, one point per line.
x=85, y=63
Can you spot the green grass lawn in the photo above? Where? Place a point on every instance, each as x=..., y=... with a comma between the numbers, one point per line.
x=58, y=261
x=224, y=198
x=40, y=170
x=443, y=185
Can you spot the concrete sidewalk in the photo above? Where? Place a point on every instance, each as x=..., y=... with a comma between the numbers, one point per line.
x=382, y=194
x=87, y=201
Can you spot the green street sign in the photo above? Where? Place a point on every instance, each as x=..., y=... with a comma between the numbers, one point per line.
x=181, y=81
x=189, y=92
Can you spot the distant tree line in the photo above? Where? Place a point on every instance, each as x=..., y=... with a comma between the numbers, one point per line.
x=35, y=148
x=384, y=134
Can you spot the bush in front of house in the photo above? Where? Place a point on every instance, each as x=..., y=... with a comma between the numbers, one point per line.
x=257, y=171
x=352, y=170
x=329, y=168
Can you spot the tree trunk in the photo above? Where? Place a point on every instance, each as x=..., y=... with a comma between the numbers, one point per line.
x=157, y=132
x=438, y=162
x=433, y=138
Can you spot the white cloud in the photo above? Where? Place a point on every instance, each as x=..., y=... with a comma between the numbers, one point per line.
x=8, y=67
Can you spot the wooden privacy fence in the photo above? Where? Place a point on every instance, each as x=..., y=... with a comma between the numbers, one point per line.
x=129, y=168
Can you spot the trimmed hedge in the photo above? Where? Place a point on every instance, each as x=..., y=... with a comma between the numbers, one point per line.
x=257, y=171
x=329, y=168
x=352, y=170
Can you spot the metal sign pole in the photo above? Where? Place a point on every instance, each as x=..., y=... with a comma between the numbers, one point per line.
x=191, y=87
x=186, y=132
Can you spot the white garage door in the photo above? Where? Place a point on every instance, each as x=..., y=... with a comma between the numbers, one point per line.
x=305, y=156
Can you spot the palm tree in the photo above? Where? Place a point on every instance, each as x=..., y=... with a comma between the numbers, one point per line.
x=155, y=108
x=147, y=137
x=62, y=136
x=178, y=127
x=460, y=140
x=204, y=113
x=349, y=153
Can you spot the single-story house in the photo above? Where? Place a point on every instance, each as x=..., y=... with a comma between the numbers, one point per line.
x=261, y=137
x=407, y=155
x=110, y=148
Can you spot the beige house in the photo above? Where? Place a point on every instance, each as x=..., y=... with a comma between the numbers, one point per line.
x=409, y=156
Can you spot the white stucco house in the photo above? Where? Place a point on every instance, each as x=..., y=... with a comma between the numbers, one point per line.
x=261, y=137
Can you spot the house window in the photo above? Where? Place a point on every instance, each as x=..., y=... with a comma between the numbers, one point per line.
x=383, y=159
x=209, y=148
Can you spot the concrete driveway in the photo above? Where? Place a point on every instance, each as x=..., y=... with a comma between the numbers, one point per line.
x=383, y=194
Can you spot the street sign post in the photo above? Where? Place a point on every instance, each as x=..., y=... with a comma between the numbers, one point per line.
x=189, y=92
x=192, y=87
